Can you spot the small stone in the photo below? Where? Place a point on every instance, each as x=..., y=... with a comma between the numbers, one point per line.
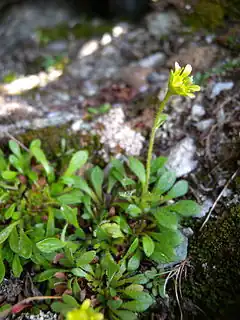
x=88, y=48
x=156, y=77
x=77, y=125
x=181, y=156
x=163, y=23
x=89, y=88
x=204, y=124
x=198, y=111
x=152, y=61
x=57, y=46
x=205, y=207
x=219, y=87
x=135, y=76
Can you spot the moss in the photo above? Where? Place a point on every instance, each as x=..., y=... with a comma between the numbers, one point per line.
x=207, y=14
x=78, y=31
x=52, y=137
x=214, y=282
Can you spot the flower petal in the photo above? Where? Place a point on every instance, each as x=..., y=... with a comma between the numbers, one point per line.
x=187, y=70
x=177, y=66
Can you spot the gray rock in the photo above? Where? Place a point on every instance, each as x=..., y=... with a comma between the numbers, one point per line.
x=89, y=88
x=219, y=87
x=154, y=60
x=181, y=157
x=205, y=207
x=204, y=124
x=20, y=22
x=198, y=111
x=156, y=77
x=58, y=46
x=163, y=23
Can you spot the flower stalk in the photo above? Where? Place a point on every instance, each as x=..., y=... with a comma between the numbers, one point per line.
x=180, y=83
x=156, y=125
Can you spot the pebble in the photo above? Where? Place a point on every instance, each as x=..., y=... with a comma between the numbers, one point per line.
x=181, y=157
x=198, y=111
x=205, y=207
x=204, y=125
x=163, y=23
x=135, y=76
x=152, y=61
x=219, y=87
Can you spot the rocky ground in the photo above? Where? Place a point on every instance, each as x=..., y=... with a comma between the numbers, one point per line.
x=53, y=75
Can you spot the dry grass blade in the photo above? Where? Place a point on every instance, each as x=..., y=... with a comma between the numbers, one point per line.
x=219, y=197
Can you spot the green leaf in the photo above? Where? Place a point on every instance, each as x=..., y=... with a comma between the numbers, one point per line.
x=72, y=197
x=47, y=274
x=16, y=162
x=85, y=258
x=60, y=307
x=97, y=177
x=9, y=175
x=78, y=272
x=148, y=245
x=138, y=279
x=110, y=266
x=112, y=229
x=169, y=237
x=138, y=169
x=165, y=182
x=13, y=240
x=142, y=301
x=9, y=213
x=76, y=288
x=79, y=183
x=167, y=218
x=25, y=246
x=41, y=158
x=77, y=161
x=50, y=223
x=50, y=245
x=126, y=315
x=133, y=287
x=163, y=253
x=14, y=147
x=35, y=144
x=2, y=268
x=70, y=214
x=132, y=248
x=151, y=274
x=16, y=266
x=4, y=234
x=162, y=118
x=114, y=304
x=3, y=163
x=178, y=190
x=134, y=261
x=186, y=208
x=69, y=300
x=133, y=210
x=157, y=164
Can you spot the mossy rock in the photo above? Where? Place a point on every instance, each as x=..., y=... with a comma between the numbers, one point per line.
x=211, y=14
x=84, y=30
x=52, y=137
x=213, y=284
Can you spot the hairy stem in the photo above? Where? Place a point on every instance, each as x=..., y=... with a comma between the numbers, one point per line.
x=152, y=138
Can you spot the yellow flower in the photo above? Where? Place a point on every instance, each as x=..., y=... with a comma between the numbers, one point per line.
x=181, y=83
x=85, y=312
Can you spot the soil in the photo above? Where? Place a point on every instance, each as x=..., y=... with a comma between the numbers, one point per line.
x=118, y=65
